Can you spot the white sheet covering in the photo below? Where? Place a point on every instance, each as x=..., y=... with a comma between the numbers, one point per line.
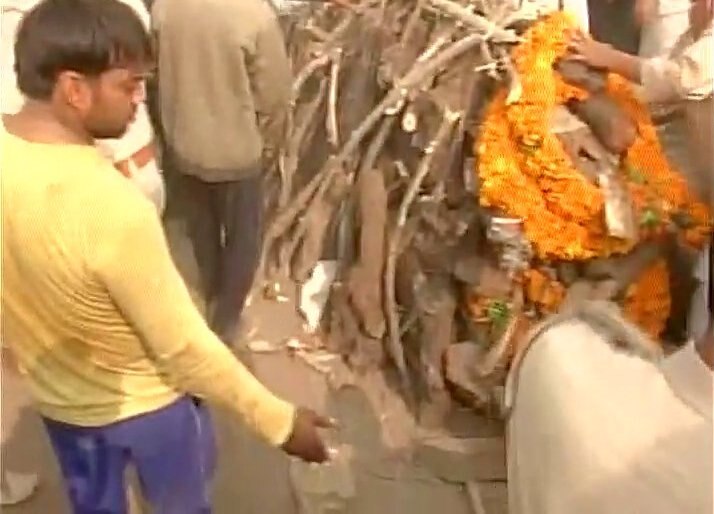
x=597, y=430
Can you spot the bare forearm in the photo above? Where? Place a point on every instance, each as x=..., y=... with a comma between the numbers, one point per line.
x=625, y=65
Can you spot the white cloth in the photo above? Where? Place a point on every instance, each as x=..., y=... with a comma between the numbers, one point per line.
x=596, y=430
x=684, y=73
x=660, y=34
x=139, y=133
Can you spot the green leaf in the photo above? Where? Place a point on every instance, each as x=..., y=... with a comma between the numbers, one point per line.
x=498, y=313
x=650, y=218
x=634, y=175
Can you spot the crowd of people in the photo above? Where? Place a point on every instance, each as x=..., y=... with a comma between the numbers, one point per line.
x=131, y=230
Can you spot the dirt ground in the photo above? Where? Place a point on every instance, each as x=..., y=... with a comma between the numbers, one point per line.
x=252, y=478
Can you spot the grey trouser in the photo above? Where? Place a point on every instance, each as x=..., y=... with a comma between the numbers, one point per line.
x=215, y=231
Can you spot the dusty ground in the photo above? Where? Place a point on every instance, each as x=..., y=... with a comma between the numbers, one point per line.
x=253, y=479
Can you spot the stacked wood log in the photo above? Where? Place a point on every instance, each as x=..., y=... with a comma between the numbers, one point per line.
x=378, y=173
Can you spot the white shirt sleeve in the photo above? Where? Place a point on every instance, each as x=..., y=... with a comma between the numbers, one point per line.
x=686, y=74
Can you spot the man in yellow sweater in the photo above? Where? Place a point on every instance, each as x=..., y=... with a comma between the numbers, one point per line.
x=99, y=319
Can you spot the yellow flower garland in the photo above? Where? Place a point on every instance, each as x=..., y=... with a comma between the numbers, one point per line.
x=525, y=173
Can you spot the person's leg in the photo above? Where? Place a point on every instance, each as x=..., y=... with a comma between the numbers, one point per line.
x=92, y=466
x=174, y=454
x=193, y=232
x=241, y=205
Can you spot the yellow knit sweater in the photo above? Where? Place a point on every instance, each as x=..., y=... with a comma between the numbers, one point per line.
x=94, y=309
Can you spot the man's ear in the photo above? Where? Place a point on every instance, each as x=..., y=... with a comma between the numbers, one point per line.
x=74, y=90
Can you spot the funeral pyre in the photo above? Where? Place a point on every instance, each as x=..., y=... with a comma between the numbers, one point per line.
x=468, y=180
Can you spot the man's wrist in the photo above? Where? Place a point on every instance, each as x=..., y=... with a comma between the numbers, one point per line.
x=624, y=64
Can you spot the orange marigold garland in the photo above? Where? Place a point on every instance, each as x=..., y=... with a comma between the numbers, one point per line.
x=648, y=302
x=525, y=173
x=543, y=291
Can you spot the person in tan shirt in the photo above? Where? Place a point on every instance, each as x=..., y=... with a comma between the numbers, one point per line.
x=224, y=87
x=104, y=331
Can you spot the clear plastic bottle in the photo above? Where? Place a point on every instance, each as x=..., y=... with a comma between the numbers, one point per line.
x=324, y=488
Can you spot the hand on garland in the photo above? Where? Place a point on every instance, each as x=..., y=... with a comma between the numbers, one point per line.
x=585, y=49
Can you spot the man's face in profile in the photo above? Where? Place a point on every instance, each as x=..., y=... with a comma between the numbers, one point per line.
x=116, y=95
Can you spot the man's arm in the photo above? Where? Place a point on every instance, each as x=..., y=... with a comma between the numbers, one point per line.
x=271, y=80
x=134, y=263
x=687, y=74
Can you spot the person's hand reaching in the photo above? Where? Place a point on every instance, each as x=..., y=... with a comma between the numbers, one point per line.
x=305, y=442
x=593, y=53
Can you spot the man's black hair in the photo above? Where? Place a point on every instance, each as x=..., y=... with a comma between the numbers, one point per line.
x=85, y=36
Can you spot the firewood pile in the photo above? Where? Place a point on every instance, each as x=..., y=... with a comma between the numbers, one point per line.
x=468, y=181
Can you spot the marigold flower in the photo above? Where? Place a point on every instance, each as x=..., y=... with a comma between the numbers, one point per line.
x=526, y=173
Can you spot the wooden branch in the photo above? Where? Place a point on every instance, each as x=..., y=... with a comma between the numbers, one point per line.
x=364, y=281
x=420, y=72
x=377, y=143
x=321, y=182
x=394, y=341
x=289, y=161
x=316, y=32
x=317, y=203
x=306, y=72
x=288, y=248
x=437, y=45
x=341, y=27
x=284, y=219
x=479, y=23
x=323, y=59
x=412, y=22
x=331, y=126
x=317, y=220
x=345, y=4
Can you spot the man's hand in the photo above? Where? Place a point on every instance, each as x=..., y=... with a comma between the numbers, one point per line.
x=305, y=441
x=591, y=52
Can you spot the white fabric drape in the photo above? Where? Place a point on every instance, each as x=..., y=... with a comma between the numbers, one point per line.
x=596, y=430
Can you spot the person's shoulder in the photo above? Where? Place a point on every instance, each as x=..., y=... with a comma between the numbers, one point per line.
x=248, y=16
x=114, y=194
